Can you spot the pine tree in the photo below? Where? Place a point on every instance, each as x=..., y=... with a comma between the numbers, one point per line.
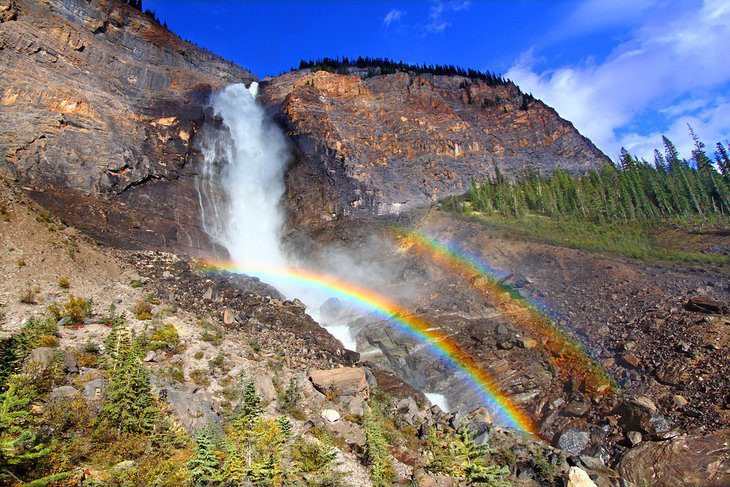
x=234, y=468
x=250, y=407
x=723, y=160
x=129, y=405
x=18, y=443
x=378, y=458
x=285, y=426
x=204, y=466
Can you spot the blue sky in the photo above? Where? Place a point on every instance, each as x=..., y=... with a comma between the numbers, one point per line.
x=623, y=71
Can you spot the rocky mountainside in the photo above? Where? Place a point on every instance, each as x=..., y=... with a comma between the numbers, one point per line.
x=374, y=145
x=98, y=111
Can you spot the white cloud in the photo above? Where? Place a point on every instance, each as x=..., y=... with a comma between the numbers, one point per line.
x=673, y=53
x=393, y=16
x=438, y=15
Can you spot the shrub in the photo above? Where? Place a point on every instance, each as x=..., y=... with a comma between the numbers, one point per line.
x=164, y=336
x=75, y=308
x=64, y=283
x=142, y=310
x=200, y=377
x=21, y=262
x=457, y=455
x=312, y=457
x=29, y=295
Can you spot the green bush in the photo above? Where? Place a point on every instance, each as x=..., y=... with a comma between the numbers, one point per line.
x=164, y=336
x=75, y=308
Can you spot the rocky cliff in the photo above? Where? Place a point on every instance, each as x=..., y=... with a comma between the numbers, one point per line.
x=383, y=144
x=98, y=111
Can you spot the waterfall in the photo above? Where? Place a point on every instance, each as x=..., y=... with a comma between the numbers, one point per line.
x=240, y=190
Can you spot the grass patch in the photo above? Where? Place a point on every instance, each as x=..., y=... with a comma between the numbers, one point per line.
x=669, y=242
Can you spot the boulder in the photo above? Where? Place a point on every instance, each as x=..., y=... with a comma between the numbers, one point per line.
x=44, y=356
x=355, y=406
x=265, y=387
x=640, y=414
x=574, y=440
x=94, y=389
x=701, y=461
x=191, y=410
x=705, y=304
x=345, y=381
x=63, y=391
x=577, y=477
x=330, y=415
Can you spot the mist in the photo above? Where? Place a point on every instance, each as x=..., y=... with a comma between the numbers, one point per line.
x=240, y=192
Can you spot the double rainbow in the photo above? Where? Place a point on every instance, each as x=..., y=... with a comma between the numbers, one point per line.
x=563, y=350
x=506, y=410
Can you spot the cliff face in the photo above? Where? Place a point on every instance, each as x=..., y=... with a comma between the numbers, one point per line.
x=98, y=110
x=383, y=144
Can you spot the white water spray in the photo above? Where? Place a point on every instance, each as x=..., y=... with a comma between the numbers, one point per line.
x=246, y=218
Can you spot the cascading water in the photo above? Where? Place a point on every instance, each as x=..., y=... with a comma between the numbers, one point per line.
x=248, y=164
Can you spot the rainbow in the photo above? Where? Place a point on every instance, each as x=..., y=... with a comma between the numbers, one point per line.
x=439, y=343
x=563, y=350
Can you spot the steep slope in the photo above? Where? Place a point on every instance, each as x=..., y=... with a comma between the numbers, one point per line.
x=386, y=143
x=98, y=110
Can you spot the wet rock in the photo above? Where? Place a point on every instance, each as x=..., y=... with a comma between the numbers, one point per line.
x=577, y=477
x=641, y=415
x=701, y=461
x=330, y=415
x=345, y=381
x=574, y=440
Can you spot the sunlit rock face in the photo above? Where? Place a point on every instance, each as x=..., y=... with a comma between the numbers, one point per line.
x=99, y=107
x=384, y=144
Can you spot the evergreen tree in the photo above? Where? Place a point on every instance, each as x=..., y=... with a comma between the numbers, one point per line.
x=723, y=160
x=204, y=466
x=129, y=406
x=250, y=407
x=285, y=426
x=19, y=445
x=378, y=458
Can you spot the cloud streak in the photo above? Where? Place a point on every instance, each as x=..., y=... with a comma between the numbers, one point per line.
x=392, y=17
x=669, y=68
x=438, y=15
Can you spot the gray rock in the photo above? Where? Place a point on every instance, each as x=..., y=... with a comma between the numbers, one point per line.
x=150, y=357
x=480, y=431
x=94, y=389
x=355, y=406
x=63, y=391
x=44, y=356
x=574, y=440
x=191, y=410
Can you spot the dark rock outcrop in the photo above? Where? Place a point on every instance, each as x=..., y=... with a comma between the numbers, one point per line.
x=98, y=110
x=384, y=144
